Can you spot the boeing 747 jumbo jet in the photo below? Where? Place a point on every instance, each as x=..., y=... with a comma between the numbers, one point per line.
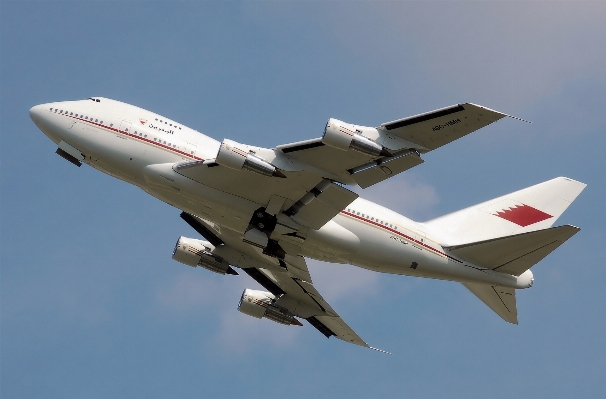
x=264, y=210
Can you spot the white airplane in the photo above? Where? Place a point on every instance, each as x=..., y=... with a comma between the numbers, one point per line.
x=265, y=210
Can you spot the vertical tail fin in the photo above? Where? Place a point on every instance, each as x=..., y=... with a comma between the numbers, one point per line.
x=533, y=208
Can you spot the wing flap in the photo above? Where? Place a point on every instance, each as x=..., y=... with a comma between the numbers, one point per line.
x=321, y=204
x=502, y=300
x=341, y=330
x=386, y=168
x=296, y=294
x=517, y=253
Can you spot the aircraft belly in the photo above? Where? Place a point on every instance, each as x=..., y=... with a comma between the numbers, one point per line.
x=150, y=168
x=384, y=252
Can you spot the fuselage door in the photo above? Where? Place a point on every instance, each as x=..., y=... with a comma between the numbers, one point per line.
x=126, y=126
x=191, y=149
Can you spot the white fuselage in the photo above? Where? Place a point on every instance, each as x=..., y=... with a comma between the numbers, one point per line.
x=141, y=147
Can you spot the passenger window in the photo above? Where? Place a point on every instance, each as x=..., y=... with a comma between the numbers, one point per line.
x=96, y=120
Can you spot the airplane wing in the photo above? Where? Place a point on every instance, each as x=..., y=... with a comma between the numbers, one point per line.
x=312, y=173
x=405, y=139
x=437, y=128
x=288, y=279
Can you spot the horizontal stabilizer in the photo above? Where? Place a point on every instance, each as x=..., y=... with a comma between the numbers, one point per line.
x=500, y=299
x=514, y=254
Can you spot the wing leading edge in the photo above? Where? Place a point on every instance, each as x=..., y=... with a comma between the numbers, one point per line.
x=402, y=140
x=328, y=322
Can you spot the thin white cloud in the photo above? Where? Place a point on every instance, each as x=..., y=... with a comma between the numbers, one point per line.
x=405, y=194
x=189, y=291
x=200, y=294
x=506, y=55
x=340, y=283
x=241, y=333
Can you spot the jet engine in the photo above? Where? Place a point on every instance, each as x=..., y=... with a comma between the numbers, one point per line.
x=192, y=252
x=261, y=304
x=344, y=136
x=231, y=155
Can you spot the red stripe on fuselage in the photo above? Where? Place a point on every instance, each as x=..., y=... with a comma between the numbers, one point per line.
x=402, y=235
x=132, y=135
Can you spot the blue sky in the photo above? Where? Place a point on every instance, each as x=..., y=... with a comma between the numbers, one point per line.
x=92, y=304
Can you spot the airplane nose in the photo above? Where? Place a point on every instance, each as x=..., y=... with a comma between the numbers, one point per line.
x=34, y=113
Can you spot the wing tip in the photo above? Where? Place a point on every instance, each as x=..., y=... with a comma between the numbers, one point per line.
x=497, y=112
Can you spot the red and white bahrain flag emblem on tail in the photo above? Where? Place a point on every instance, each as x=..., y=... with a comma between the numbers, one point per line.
x=523, y=215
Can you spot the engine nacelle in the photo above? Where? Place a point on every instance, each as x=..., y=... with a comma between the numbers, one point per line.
x=192, y=252
x=344, y=136
x=233, y=156
x=261, y=304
